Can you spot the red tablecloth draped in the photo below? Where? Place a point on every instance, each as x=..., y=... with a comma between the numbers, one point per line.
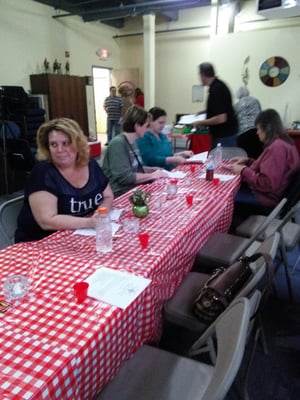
x=200, y=143
x=53, y=348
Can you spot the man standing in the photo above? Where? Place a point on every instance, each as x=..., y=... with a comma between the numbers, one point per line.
x=220, y=115
x=113, y=106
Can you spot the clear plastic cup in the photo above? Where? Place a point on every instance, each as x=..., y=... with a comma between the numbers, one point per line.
x=171, y=187
x=131, y=224
x=15, y=287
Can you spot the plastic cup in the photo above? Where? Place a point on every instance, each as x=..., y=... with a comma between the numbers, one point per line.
x=192, y=168
x=80, y=291
x=216, y=181
x=172, y=187
x=189, y=199
x=15, y=287
x=131, y=224
x=144, y=239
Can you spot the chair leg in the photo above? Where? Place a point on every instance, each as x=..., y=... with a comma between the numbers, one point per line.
x=262, y=334
x=250, y=361
x=296, y=263
x=286, y=269
x=209, y=347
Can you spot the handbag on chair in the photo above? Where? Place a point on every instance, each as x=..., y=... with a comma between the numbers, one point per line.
x=221, y=288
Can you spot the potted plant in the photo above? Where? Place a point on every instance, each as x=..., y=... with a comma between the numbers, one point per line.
x=139, y=199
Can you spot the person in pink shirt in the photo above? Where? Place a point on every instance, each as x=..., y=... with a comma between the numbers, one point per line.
x=265, y=180
x=139, y=97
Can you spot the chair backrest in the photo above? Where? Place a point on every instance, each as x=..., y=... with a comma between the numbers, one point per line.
x=269, y=246
x=231, y=332
x=9, y=212
x=288, y=216
x=230, y=152
x=263, y=226
x=292, y=194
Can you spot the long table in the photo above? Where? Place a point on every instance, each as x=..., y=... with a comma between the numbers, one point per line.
x=53, y=348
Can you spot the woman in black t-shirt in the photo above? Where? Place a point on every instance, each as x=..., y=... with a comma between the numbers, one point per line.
x=65, y=189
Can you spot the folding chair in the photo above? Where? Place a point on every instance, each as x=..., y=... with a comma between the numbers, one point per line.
x=179, y=309
x=289, y=235
x=292, y=194
x=156, y=374
x=207, y=343
x=222, y=249
x=9, y=212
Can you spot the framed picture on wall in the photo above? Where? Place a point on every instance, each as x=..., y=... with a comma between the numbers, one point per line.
x=197, y=93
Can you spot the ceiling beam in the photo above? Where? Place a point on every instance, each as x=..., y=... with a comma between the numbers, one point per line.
x=132, y=9
x=170, y=15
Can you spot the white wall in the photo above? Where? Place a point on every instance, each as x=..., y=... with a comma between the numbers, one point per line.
x=28, y=34
x=179, y=53
x=260, y=45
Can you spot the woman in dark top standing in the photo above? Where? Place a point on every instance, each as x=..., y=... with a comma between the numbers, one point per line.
x=66, y=187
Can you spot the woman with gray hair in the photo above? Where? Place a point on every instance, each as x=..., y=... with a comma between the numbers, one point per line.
x=247, y=109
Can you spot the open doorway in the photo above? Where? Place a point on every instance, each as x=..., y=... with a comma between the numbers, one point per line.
x=101, y=83
x=103, y=78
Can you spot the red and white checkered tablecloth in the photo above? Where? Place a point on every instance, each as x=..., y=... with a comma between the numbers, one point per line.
x=53, y=348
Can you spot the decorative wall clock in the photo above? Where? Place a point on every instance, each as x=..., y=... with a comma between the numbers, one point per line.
x=274, y=71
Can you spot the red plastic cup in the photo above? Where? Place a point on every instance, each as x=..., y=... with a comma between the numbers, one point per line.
x=80, y=291
x=216, y=181
x=189, y=199
x=192, y=168
x=144, y=239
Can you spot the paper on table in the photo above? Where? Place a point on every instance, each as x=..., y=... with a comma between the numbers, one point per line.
x=227, y=166
x=191, y=118
x=115, y=287
x=200, y=157
x=222, y=177
x=92, y=232
x=175, y=174
x=115, y=214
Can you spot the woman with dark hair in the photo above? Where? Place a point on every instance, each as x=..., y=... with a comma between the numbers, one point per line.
x=122, y=164
x=266, y=179
x=65, y=189
x=155, y=148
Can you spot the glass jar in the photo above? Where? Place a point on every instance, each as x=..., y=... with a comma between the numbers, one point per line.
x=172, y=187
x=131, y=224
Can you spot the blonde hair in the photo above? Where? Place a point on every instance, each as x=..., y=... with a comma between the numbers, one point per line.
x=74, y=133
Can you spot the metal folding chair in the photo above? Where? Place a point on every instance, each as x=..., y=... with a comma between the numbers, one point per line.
x=156, y=374
x=9, y=211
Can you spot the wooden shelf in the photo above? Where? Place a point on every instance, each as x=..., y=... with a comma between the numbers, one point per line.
x=66, y=96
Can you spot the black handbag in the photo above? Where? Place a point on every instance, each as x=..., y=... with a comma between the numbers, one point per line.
x=220, y=289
